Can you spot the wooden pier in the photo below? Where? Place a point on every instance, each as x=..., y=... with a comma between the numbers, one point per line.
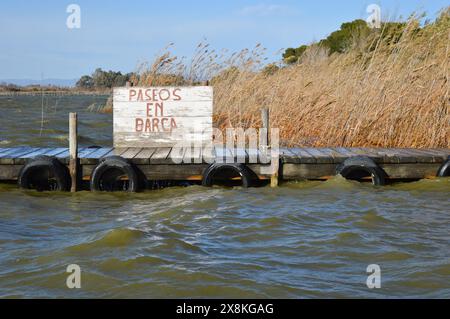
x=148, y=124
x=167, y=163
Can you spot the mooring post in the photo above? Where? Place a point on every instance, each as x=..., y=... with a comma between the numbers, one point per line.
x=265, y=123
x=73, y=150
x=276, y=167
x=266, y=148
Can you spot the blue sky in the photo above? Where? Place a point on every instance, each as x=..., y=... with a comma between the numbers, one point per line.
x=35, y=41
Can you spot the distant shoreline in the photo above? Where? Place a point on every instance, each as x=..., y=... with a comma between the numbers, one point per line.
x=51, y=93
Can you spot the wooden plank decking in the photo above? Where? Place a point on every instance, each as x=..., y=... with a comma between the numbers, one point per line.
x=162, y=155
x=296, y=163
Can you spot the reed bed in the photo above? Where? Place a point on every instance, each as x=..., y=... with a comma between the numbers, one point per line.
x=379, y=93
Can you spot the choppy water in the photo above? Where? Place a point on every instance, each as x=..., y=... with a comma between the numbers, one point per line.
x=36, y=121
x=305, y=239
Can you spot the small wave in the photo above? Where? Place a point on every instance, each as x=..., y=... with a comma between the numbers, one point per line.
x=443, y=270
x=61, y=137
x=114, y=238
x=371, y=219
x=423, y=283
x=271, y=221
x=5, y=142
x=424, y=185
x=339, y=182
x=118, y=264
x=305, y=184
x=344, y=238
x=172, y=244
x=347, y=236
x=96, y=124
x=393, y=256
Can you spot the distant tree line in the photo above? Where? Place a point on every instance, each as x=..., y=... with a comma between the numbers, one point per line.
x=341, y=40
x=100, y=79
x=11, y=87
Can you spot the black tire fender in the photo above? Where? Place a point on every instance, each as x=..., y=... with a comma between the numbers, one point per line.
x=248, y=177
x=61, y=176
x=362, y=163
x=444, y=170
x=119, y=163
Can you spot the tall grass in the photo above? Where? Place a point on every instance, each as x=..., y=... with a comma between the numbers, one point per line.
x=379, y=93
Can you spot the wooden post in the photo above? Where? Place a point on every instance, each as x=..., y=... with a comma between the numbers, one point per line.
x=274, y=160
x=276, y=167
x=265, y=123
x=73, y=150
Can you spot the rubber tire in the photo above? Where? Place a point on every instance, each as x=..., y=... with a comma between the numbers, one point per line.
x=115, y=162
x=248, y=177
x=362, y=163
x=60, y=172
x=444, y=170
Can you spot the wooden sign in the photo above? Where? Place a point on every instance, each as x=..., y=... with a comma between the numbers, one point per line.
x=162, y=116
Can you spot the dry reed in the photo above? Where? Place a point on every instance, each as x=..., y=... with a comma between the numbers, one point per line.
x=392, y=95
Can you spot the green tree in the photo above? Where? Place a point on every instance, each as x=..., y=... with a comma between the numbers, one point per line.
x=292, y=55
x=338, y=41
x=341, y=40
x=103, y=79
x=288, y=53
x=85, y=82
x=100, y=78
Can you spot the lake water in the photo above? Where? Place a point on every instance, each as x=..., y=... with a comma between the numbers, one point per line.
x=300, y=240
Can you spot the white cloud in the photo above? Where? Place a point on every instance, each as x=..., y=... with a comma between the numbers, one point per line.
x=263, y=10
